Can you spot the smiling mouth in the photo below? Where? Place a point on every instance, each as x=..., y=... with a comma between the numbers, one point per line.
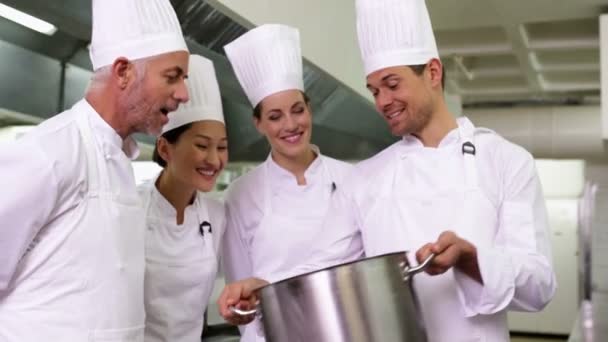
x=292, y=138
x=207, y=173
x=393, y=114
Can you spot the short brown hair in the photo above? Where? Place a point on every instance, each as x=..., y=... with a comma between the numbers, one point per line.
x=418, y=69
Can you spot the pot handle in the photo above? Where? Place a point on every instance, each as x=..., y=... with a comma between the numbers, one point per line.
x=240, y=312
x=409, y=271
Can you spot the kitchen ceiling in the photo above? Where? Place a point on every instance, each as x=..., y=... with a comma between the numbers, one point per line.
x=496, y=53
x=539, y=51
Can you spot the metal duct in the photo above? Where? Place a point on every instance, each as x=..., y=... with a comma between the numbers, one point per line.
x=548, y=132
x=346, y=125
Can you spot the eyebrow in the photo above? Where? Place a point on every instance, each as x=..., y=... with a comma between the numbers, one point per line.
x=382, y=80
x=275, y=110
x=388, y=76
x=299, y=103
x=208, y=137
x=176, y=69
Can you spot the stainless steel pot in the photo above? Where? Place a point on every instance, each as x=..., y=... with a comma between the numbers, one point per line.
x=367, y=300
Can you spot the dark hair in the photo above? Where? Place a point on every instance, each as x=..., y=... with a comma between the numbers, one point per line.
x=418, y=69
x=257, y=111
x=171, y=136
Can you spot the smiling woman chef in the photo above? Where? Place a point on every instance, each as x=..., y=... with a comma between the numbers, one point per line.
x=184, y=228
x=288, y=195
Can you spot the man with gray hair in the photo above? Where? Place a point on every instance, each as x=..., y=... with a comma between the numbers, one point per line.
x=71, y=239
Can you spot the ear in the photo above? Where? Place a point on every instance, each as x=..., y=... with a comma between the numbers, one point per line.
x=122, y=72
x=435, y=71
x=258, y=125
x=308, y=107
x=164, y=149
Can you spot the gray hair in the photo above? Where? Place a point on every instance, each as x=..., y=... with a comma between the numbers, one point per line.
x=102, y=75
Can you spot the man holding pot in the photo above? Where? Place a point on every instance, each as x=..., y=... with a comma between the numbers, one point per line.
x=447, y=188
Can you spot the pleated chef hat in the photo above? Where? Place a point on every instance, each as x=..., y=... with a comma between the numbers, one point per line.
x=394, y=32
x=205, y=100
x=133, y=29
x=267, y=60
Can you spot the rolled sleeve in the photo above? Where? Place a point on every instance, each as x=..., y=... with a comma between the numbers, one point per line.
x=516, y=269
x=498, y=289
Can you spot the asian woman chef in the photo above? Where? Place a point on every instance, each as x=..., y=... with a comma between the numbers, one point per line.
x=274, y=211
x=184, y=228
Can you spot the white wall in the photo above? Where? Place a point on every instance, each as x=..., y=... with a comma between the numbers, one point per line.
x=145, y=171
x=563, y=182
x=559, y=316
x=561, y=179
x=12, y=132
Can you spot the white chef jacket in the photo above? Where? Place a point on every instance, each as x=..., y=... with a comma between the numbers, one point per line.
x=256, y=243
x=41, y=177
x=181, y=264
x=513, y=253
x=47, y=230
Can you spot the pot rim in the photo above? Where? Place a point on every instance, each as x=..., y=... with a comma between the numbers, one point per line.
x=333, y=267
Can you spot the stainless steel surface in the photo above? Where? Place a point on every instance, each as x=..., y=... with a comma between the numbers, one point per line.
x=592, y=321
x=362, y=301
x=242, y=312
x=409, y=270
x=585, y=233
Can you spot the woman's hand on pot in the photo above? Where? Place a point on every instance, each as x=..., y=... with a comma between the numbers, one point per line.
x=451, y=251
x=241, y=295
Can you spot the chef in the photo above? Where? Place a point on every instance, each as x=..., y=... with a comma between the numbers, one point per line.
x=275, y=212
x=71, y=239
x=185, y=227
x=447, y=188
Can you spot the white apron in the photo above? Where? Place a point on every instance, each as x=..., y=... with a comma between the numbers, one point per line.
x=423, y=197
x=282, y=240
x=84, y=279
x=181, y=265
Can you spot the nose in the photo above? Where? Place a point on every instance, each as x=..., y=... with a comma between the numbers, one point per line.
x=290, y=123
x=383, y=101
x=213, y=158
x=181, y=92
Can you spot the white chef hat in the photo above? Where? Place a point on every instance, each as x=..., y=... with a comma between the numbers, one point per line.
x=394, y=32
x=267, y=60
x=205, y=100
x=133, y=29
